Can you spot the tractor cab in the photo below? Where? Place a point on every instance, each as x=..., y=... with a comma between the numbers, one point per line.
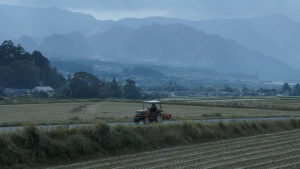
x=153, y=113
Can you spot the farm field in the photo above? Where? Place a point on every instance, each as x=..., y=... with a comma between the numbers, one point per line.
x=277, y=151
x=275, y=103
x=122, y=111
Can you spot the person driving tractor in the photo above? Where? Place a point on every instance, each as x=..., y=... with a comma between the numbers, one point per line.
x=153, y=108
x=152, y=114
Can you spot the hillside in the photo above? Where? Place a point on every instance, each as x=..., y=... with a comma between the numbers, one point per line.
x=167, y=44
x=39, y=22
x=19, y=69
x=276, y=35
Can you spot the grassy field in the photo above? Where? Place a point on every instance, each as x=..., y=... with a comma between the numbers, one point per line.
x=111, y=111
x=35, y=149
x=32, y=148
x=273, y=103
x=276, y=151
x=119, y=111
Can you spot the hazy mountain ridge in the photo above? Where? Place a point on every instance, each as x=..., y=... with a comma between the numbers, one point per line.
x=177, y=45
x=276, y=35
x=153, y=40
x=40, y=22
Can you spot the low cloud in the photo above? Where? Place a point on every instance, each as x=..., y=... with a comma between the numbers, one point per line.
x=119, y=14
x=191, y=9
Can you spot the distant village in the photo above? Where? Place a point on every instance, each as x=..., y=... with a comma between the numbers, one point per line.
x=167, y=91
x=38, y=91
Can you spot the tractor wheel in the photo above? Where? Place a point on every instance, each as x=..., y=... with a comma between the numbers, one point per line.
x=146, y=120
x=159, y=118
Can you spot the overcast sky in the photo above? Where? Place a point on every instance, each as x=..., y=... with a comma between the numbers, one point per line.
x=187, y=9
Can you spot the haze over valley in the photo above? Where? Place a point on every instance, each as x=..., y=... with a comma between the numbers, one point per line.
x=257, y=48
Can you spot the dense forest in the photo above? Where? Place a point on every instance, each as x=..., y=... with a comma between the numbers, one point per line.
x=86, y=85
x=24, y=70
x=20, y=69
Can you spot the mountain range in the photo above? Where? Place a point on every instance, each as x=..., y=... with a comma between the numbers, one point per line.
x=275, y=35
x=265, y=46
x=40, y=22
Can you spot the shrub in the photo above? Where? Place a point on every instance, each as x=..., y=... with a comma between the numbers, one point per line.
x=63, y=144
x=254, y=126
x=32, y=137
x=295, y=123
x=78, y=144
x=101, y=133
x=222, y=126
x=10, y=154
x=191, y=131
x=125, y=137
x=46, y=148
x=75, y=118
x=58, y=133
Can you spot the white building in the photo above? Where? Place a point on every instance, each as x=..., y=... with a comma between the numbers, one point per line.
x=44, y=88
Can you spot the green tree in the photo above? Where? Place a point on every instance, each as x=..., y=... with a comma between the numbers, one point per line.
x=20, y=69
x=25, y=75
x=286, y=89
x=115, y=90
x=2, y=91
x=296, y=90
x=85, y=85
x=6, y=75
x=245, y=91
x=9, y=52
x=39, y=60
x=130, y=90
x=228, y=89
x=50, y=77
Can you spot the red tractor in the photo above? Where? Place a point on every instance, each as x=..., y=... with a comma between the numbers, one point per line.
x=152, y=114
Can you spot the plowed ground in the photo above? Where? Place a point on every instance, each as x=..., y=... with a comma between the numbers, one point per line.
x=277, y=150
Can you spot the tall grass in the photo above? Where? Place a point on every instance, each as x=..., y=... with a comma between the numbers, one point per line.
x=32, y=147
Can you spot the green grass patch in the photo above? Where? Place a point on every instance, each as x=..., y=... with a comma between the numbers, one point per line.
x=33, y=148
x=120, y=111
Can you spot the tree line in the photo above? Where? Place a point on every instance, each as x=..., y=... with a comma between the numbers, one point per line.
x=20, y=69
x=86, y=85
x=290, y=91
x=23, y=70
x=285, y=90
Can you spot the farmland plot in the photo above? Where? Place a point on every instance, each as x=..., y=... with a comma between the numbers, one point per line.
x=277, y=150
x=90, y=112
x=273, y=103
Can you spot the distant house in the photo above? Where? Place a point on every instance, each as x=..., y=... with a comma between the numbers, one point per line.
x=16, y=92
x=42, y=91
x=47, y=89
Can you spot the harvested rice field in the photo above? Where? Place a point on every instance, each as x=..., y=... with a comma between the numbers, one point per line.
x=279, y=150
